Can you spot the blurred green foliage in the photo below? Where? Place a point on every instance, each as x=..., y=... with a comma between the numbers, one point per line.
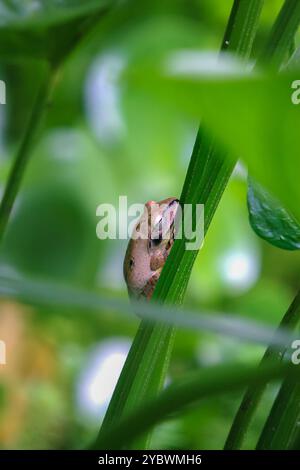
x=101, y=139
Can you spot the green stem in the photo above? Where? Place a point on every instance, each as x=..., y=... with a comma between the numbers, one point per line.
x=254, y=393
x=22, y=157
x=145, y=369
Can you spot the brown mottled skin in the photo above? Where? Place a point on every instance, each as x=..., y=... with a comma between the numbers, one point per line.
x=145, y=258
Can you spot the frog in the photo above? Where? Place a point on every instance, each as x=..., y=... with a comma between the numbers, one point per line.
x=145, y=256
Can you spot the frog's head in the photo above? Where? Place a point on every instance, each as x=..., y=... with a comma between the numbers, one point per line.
x=146, y=254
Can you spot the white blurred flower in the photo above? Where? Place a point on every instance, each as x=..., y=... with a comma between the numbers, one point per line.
x=66, y=144
x=194, y=63
x=99, y=377
x=102, y=98
x=240, y=268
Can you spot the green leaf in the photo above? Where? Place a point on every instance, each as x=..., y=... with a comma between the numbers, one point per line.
x=207, y=382
x=270, y=220
x=250, y=115
x=45, y=28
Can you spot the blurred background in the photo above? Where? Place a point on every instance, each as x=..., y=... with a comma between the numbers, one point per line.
x=102, y=139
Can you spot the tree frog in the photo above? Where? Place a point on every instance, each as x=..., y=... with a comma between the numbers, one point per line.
x=146, y=256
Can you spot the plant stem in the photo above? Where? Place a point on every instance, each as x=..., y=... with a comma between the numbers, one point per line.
x=254, y=393
x=145, y=368
x=41, y=103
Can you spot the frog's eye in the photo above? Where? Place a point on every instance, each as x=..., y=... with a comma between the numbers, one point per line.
x=156, y=233
x=131, y=263
x=156, y=241
x=156, y=236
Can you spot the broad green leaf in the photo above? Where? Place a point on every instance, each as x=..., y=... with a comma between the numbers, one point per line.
x=251, y=115
x=270, y=220
x=45, y=28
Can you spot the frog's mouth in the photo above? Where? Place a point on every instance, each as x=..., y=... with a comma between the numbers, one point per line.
x=164, y=229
